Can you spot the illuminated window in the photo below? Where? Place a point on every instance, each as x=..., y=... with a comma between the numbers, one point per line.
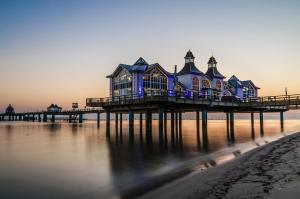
x=196, y=84
x=155, y=81
x=122, y=83
x=219, y=85
x=205, y=84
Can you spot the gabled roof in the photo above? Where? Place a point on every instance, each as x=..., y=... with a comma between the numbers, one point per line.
x=233, y=77
x=213, y=72
x=247, y=82
x=139, y=66
x=140, y=61
x=190, y=68
x=160, y=67
x=235, y=82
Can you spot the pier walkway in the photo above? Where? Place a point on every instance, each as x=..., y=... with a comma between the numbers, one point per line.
x=168, y=108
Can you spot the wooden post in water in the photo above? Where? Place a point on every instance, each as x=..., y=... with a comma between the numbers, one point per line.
x=204, y=128
x=141, y=124
x=180, y=126
x=33, y=117
x=148, y=127
x=98, y=119
x=231, y=115
x=172, y=126
x=131, y=125
x=80, y=117
x=281, y=120
x=160, y=124
x=165, y=126
x=39, y=117
x=121, y=127
x=198, y=127
x=107, y=124
x=117, y=124
x=261, y=120
x=227, y=125
x=44, y=117
x=176, y=126
x=53, y=118
x=252, y=125
x=70, y=118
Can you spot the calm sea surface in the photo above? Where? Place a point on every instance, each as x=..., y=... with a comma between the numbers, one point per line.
x=62, y=160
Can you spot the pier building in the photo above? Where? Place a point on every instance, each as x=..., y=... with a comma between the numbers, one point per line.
x=142, y=79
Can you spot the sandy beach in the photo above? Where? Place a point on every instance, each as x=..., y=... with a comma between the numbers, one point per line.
x=270, y=171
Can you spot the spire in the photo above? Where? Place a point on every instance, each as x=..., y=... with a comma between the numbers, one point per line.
x=212, y=62
x=189, y=57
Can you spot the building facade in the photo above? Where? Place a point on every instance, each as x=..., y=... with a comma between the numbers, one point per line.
x=142, y=79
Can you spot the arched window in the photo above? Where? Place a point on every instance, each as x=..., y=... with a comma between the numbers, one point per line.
x=219, y=85
x=205, y=83
x=195, y=84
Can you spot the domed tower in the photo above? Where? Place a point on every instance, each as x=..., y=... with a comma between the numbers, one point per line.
x=216, y=78
x=190, y=75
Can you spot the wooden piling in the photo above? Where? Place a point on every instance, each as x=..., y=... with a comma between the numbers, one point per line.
x=131, y=125
x=160, y=124
x=231, y=116
x=107, y=124
x=261, y=120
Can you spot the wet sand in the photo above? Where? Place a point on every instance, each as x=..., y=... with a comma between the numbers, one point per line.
x=270, y=171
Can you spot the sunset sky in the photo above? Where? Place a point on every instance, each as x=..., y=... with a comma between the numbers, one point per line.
x=59, y=51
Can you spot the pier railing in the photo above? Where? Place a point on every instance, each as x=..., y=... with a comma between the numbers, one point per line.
x=289, y=101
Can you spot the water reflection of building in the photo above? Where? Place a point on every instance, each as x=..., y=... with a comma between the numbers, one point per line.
x=142, y=78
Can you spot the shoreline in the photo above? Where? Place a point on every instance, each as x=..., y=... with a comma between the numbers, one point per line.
x=267, y=171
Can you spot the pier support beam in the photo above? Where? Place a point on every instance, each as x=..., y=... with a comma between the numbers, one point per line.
x=172, y=126
x=198, y=127
x=231, y=116
x=176, y=126
x=131, y=125
x=107, y=124
x=160, y=124
x=53, y=118
x=261, y=120
x=98, y=119
x=252, y=125
x=80, y=117
x=33, y=117
x=148, y=127
x=281, y=121
x=70, y=118
x=228, y=125
x=141, y=124
x=204, y=128
x=121, y=127
x=39, y=117
x=165, y=126
x=117, y=124
x=44, y=117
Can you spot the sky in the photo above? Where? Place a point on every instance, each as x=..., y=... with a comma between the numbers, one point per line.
x=59, y=51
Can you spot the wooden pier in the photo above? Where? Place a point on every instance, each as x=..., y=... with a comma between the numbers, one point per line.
x=165, y=105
